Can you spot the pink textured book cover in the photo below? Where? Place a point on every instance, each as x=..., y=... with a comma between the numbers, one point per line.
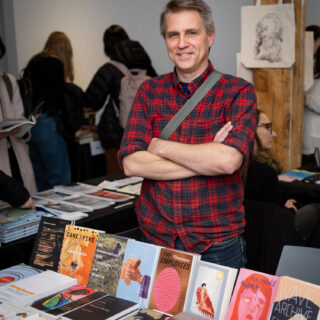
x=252, y=296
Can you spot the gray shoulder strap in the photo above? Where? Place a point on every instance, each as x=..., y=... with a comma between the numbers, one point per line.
x=190, y=104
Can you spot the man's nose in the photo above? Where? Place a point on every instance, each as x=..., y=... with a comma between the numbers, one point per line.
x=182, y=41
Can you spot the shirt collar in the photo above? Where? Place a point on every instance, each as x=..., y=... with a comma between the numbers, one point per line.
x=195, y=84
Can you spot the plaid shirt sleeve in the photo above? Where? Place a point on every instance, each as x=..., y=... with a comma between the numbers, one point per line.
x=241, y=111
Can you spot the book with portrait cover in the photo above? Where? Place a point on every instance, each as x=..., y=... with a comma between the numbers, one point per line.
x=107, y=307
x=296, y=299
x=47, y=246
x=137, y=272
x=210, y=290
x=77, y=252
x=253, y=295
x=106, y=266
x=174, y=270
x=62, y=298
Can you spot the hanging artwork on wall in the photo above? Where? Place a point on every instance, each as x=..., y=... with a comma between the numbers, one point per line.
x=268, y=35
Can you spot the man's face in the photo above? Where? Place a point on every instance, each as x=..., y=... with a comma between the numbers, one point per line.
x=187, y=43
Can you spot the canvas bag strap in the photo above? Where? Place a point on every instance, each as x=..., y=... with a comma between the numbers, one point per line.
x=258, y=2
x=123, y=68
x=8, y=84
x=190, y=104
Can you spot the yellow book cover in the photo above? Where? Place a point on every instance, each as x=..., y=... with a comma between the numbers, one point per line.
x=296, y=299
x=77, y=252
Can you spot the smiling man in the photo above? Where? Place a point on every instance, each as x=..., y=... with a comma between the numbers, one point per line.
x=192, y=193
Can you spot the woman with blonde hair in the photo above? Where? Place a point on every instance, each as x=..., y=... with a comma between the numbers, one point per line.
x=59, y=45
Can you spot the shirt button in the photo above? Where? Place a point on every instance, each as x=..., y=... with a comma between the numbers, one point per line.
x=185, y=124
x=177, y=201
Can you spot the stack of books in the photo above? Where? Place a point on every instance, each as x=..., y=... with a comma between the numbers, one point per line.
x=18, y=223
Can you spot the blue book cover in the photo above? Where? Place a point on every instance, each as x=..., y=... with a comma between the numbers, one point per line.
x=210, y=290
x=138, y=271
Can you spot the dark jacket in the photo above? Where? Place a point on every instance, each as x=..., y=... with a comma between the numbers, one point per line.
x=107, y=81
x=12, y=191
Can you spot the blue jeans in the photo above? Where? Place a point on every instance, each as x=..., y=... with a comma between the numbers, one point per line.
x=230, y=253
x=49, y=154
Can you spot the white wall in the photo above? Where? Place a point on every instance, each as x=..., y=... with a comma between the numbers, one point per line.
x=29, y=22
x=84, y=21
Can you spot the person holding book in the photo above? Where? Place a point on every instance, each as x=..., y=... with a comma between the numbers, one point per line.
x=192, y=192
x=14, y=193
x=262, y=184
x=14, y=156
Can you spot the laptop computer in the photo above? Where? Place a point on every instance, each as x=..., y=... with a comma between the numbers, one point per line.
x=301, y=263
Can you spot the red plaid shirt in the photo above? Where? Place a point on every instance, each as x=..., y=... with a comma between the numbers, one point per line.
x=200, y=210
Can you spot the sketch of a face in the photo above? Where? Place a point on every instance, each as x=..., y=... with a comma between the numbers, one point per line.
x=251, y=305
x=269, y=38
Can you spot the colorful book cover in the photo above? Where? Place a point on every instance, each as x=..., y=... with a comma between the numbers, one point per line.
x=296, y=299
x=210, y=290
x=47, y=246
x=17, y=272
x=8, y=215
x=77, y=252
x=137, y=272
x=30, y=289
x=62, y=298
x=253, y=295
x=107, y=263
x=107, y=307
x=172, y=280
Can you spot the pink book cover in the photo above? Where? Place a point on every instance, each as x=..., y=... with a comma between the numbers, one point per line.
x=252, y=296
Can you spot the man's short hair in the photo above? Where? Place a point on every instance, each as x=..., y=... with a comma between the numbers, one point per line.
x=175, y=6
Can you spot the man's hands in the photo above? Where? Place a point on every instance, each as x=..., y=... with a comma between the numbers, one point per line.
x=223, y=132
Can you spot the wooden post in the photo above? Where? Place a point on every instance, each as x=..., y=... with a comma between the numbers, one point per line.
x=280, y=95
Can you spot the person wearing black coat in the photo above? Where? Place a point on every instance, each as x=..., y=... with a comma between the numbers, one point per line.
x=105, y=87
x=14, y=193
x=262, y=184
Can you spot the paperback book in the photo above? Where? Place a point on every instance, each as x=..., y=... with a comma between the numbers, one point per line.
x=12, y=311
x=149, y=314
x=107, y=263
x=111, y=196
x=209, y=291
x=85, y=201
x=60, y=311
x=52, y=194
x=17, y=272
x=138, y=271
x=78, y=247
x=174, y=270
x=9, y=124
x=107, y=307
x=30, y=289
x=13, y=214
x=296, y=299
x=48, y=243
x=62, y=298
x=253, y=295
x=77, y=187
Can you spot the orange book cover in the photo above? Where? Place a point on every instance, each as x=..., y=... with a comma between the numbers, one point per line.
x=171, y=280
x=77, y=252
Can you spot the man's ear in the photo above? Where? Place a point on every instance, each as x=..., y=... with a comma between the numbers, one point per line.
x=211, y=38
